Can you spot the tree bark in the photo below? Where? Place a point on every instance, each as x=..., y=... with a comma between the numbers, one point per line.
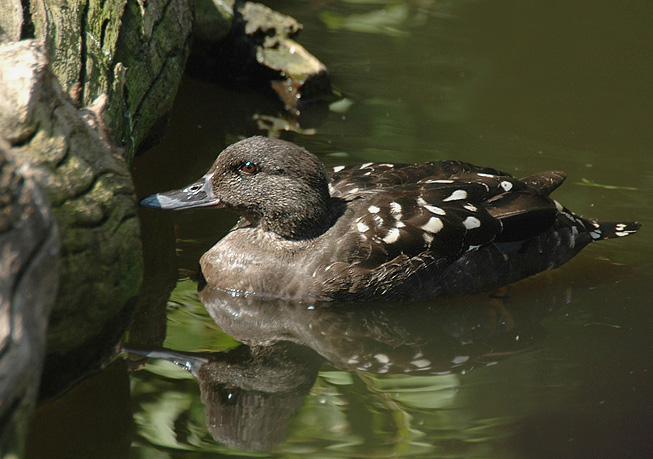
x=29, y=275
x=132, y=51
x=86, y=180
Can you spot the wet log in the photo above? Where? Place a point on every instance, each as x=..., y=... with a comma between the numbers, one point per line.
x=29, y=275
x=86, y=180
x=132, y=51
x=135, y=52
x=11, y=20
x=259, y=51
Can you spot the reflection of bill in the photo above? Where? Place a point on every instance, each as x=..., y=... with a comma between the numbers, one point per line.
x=250, y=392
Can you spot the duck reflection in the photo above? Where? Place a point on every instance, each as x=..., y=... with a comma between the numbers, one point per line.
x=415, y=339
x=251, y=392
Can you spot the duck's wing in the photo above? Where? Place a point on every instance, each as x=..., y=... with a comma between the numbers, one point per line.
x=449, y=209
x=347, y=182
x=427, y=224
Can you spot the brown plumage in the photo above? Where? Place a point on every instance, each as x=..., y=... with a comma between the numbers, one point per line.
x=379, y=230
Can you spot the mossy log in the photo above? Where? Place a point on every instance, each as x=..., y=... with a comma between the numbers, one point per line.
x=92, y=89
x=132, y=51
x=88, y=185
x=29, y=275
x=135, y=52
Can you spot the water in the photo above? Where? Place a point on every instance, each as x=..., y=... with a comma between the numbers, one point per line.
x=556, y=366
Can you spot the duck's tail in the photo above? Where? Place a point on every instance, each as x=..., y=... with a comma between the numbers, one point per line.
x=610, y=230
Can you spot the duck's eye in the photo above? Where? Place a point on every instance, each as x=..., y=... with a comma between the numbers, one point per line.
x=249, y=167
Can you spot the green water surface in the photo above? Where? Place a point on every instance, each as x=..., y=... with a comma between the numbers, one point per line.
x=558, y=366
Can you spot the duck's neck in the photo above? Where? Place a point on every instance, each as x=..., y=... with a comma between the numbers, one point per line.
x=298, y=219
x=304, y=221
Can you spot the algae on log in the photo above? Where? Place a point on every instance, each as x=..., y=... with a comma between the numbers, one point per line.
x=134, y=51
x=29, y=274
x=213, y=20
x=89, y=187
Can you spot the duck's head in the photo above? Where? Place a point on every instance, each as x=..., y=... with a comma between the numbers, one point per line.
x=275, y=185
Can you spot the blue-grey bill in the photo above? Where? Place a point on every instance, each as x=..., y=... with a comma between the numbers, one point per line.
x=195, y=195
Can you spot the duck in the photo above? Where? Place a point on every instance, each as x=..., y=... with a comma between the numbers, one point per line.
x=378, y=231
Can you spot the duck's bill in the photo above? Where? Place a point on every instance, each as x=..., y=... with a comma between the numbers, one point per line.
x=197, y=194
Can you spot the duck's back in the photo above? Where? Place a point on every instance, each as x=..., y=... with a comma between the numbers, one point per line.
x=448, y=228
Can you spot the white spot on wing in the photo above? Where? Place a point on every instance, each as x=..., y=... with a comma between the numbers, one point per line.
x=471, y=223
x=506, y=185
x=373, y=209
x=434, y=225
x=435, y=210
x=338, y=168
x=456, y=195
x=395, y=208
x=438, y=181
x=470, y=207
x=481, y=174
x=392, y=236
x=362, y=227
x=363, y=166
